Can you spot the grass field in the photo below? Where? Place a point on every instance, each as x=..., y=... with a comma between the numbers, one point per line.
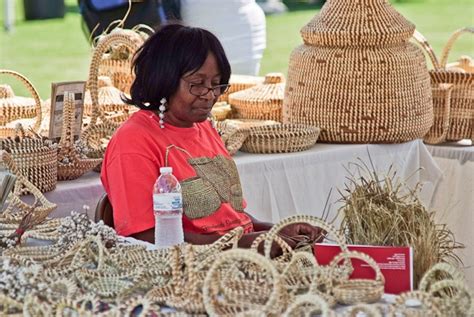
x=56, y=50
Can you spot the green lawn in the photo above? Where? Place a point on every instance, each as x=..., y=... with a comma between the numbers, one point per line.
x=56, y=50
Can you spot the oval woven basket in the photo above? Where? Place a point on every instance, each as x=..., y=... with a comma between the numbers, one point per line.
x=280, y=138
x=357, y=77
x=262, y=102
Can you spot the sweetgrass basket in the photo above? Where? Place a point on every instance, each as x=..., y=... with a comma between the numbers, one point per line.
x=357, y=77
x=453, y=93
x=280, y=138
x=262, y=102
x=100, y=126
x=70, y=163
x=12, y=107
x=352, y=291
x=240, y=82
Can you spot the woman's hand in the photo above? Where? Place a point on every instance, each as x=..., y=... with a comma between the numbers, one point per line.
x=301, y=232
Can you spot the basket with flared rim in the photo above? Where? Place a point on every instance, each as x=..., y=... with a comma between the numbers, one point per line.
x=280, y=138
x=453, y=94
x=100, y=126
x=231, y=135
x=263, y=102
x=12, y=107
x=357, y=76
x=351, y=291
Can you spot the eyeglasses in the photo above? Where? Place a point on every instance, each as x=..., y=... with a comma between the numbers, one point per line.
x=201, y=90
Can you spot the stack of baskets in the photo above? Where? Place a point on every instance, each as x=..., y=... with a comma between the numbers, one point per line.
x=358, y=77
x=453, y=94
x=240, y=82
x=262, y=102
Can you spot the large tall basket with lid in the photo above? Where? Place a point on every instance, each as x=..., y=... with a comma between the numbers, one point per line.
x=358, y=77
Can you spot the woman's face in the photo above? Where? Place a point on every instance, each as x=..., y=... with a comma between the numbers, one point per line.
x=184, y=108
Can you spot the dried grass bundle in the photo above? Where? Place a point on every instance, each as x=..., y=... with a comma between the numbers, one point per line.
x=387, y=212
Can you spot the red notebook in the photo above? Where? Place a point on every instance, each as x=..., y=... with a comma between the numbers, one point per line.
x=395, y=263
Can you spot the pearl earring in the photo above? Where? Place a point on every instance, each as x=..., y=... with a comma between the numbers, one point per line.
x=162, y=109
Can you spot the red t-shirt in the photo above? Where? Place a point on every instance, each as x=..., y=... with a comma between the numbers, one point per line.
x=131, y=166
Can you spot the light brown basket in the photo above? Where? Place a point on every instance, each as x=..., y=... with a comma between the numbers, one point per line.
x=221, y=111
x=357, y=77
x=110, y=98
x=280, y=138
x=240, y=82
x=231, y=135
x=353, y=291
x=101, y=127
x=116, y=63
x=249, y=123
x=70, y=164
x=262, y=102
x=12, y=107
x=453, y=107
x=42, y=206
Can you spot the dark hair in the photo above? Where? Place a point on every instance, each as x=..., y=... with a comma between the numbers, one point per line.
x=166, y=56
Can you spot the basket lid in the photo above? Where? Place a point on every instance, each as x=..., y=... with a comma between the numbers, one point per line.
x=357, y=23
x=8, y=98
x=272, y=89
x=108, y=94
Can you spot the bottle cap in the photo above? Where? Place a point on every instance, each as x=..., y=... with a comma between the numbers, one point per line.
x=166, y=169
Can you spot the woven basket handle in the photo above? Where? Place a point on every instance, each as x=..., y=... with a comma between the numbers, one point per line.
x=423, y=42
x=93, y=81
x=361, y=256
x=233, y=256
x=430, y=276
x=445, y=90
x=312, y=220
x=449, y=45
x=33, y=92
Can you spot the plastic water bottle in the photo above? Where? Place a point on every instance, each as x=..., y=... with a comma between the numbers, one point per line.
x=168, y=209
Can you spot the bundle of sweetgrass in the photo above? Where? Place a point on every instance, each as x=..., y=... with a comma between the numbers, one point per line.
x=384, y=211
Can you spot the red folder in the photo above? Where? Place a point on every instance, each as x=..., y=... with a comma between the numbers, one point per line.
x=395, y=263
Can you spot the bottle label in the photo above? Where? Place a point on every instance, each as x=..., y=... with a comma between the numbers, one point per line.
x=167, y=201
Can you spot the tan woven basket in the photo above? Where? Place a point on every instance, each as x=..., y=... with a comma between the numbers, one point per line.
x=454, y=106
x=110, y=98
x=231, y=135
x=117, y=62
x=248, y=123
x=262, y=102
x=240, y=82
x=12, y=107
x=100, y=126
x=70, y=164
x=221, y=111
x=280, y=138
x=357, y=77
x=353, y=291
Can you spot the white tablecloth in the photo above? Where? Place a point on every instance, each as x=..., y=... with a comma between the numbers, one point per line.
x=454, y=196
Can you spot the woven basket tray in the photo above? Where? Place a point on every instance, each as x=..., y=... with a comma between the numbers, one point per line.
x=280, y=138
x=240, y=82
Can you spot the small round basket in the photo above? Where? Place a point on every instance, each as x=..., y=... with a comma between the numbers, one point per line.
x=280, y=138
x=353, y=291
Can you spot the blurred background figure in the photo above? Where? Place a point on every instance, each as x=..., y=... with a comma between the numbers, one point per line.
x=272, y=6
x=239, y=24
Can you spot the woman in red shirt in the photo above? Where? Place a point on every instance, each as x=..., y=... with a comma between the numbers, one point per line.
x=180, y=73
